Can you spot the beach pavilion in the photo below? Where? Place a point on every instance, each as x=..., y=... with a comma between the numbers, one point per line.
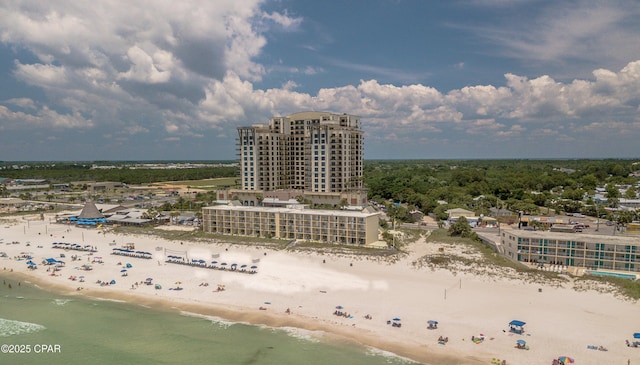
x=516, y=326
x=89, y=216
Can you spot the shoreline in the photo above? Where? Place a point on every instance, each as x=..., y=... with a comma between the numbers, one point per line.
x=311, y=286
x=247, y=316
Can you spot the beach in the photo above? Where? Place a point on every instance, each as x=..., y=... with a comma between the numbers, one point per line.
x=383, y=304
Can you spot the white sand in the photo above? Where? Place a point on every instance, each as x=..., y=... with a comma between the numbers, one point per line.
x=560, y=320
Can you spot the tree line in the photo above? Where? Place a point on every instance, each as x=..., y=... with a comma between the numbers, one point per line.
x=61, y=172
x=516, y=185
x=430, y=186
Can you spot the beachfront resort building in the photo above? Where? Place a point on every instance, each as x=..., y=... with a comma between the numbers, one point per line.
x=312, y=151
x=331, y=226
x=316, y=156
x=306, y=159
x=585, y=252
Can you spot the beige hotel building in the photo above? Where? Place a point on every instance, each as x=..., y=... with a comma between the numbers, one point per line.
x=310, y=151
x=314, y=155
x=332, y=226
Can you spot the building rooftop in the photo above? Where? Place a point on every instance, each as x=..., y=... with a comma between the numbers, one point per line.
x=327, y=212
x=577, y=237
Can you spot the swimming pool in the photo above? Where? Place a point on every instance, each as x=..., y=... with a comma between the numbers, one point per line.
x=612, y=274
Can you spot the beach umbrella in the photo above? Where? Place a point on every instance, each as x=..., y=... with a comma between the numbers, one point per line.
x=521, y=342
x=565, y=359
x=30, y=262
x=243, y=266
x=431, y=321
x=123, y=270
x=112, y=282
x=339, y=307
x=254, y=267
x=396, y=319
x=149, y=279
x=636, y=335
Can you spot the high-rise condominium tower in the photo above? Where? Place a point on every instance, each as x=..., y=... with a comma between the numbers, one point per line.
x=317, y=152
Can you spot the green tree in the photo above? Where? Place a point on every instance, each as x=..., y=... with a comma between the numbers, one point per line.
x=460, y=228
x=630, y=193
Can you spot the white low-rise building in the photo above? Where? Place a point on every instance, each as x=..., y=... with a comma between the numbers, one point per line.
x=585, y=251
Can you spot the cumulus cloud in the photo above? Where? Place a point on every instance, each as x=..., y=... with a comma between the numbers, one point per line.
x=190, y=68
x=43, y=116
x=147, y=68
x=104, y=51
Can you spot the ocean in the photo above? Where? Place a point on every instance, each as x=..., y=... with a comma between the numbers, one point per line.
x=41, y=327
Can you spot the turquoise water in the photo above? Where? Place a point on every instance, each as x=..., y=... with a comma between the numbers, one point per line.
x=81, y=331
x=612, y=274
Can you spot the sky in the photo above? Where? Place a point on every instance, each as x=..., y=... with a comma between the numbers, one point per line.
x=430, y=79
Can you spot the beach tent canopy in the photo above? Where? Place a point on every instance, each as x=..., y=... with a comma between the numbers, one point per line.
x=516, y=326
x=636, y=335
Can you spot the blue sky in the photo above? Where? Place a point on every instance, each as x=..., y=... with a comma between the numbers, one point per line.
x=151, y=80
